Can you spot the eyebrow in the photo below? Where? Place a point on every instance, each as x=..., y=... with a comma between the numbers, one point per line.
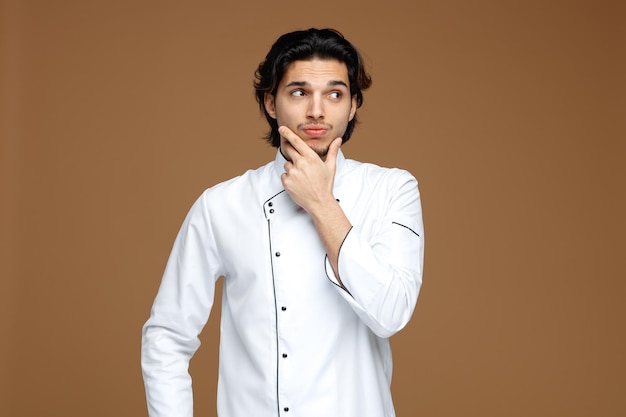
x=331, y=83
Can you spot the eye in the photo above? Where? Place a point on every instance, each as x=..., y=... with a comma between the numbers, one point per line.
x=335, y=95
x=297, y=93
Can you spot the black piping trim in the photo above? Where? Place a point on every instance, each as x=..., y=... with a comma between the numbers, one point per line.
x=344, y=239
x=269, y=236
x=407, y=227
x=282, y=191
x=343, y=287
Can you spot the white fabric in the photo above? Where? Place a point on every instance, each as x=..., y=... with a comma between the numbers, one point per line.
x=293, y=342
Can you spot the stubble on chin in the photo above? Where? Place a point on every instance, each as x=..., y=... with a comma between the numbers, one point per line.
x=322, y=152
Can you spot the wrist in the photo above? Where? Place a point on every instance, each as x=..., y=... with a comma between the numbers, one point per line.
x=324, y=206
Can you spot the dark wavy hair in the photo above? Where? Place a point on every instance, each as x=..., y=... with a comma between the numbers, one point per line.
x=305, y=45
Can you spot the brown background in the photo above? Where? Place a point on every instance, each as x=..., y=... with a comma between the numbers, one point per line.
x=117, y=114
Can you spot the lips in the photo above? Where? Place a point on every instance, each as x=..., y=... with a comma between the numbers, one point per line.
x=315, y=131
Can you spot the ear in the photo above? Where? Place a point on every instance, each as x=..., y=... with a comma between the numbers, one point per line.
x=353, y=107
x=270, y=106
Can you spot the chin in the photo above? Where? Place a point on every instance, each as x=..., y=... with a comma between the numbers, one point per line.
x=322, y=152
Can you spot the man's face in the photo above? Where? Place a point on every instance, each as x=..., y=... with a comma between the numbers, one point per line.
x=313, y=100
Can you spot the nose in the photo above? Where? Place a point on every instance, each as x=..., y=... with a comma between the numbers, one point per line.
x=315, y=108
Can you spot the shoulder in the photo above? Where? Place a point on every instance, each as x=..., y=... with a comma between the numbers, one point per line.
x=241, y=183
x=372, y=173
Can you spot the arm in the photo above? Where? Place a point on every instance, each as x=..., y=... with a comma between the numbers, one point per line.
x=179, y=312
x=309, y=181
x=382, y=271
x=380, y=276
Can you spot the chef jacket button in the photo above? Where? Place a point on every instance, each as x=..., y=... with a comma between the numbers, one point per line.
x=337, y=199
x=271, y=210
x=283, y=308
x=284, y=355
x=277, y=253
x=270, y=204
x=286, y=409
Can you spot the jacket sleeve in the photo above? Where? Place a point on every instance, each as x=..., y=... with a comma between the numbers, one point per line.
x=382, y=272
x=180, y=311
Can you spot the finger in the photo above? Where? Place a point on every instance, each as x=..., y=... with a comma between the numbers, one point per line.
x=333, y=150
x=294, y=140
x=288, y=150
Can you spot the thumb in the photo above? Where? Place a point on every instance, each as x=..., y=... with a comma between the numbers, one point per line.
x=333, y=150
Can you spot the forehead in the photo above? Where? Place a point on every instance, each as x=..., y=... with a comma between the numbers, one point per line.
x=316, y=70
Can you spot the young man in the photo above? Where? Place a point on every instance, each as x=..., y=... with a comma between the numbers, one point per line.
x=321, y=258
